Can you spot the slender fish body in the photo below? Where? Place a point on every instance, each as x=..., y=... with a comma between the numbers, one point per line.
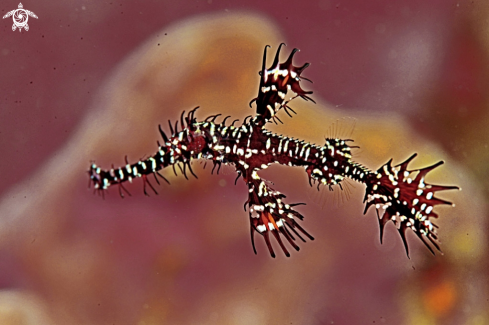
x=398, y=194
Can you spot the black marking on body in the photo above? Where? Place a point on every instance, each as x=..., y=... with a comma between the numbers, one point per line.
x=406, y=201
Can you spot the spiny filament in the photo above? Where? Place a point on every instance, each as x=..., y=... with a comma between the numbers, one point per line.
x=406, y=201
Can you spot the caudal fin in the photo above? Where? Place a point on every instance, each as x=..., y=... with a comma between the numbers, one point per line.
x=407, y=201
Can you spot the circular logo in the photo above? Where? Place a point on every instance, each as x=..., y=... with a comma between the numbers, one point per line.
x=20, y=18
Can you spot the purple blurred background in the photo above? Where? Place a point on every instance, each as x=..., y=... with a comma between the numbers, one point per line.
x=425, y=60
x=51, y=73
